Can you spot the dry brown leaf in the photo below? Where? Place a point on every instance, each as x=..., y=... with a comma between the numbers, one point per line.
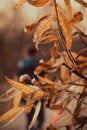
x=59, y=8
x=54, y=51
x=44, y=25
x=66, y=29
x=37, y=3
x=65, y=74
x=82, y=2
x=21, y=87
x=49, y=32
x=43, y=66
x=46, y=80
x=37, y=110
x=10, y=119
x=17, y=99
x=29, y=28
x=82, y=66
x=38, y=69
x=10, y=114
x=29, y=105
x=38, y=95
x=20, y=3
x=49, y=39
x=51, y=3
x=8, y=95
x=80, y=58
x=77, y=17
x=69, y=8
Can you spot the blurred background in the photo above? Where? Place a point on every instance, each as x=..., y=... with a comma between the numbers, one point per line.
x=13, y=38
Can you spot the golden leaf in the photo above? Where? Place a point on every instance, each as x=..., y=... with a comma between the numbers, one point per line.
x=29, y=28
x=44, y=25
x=29, y=105
x=80, y=58
x=69, y=8
x=21, y=87
x=38, y=95
x=17, y=99
x=47, y=37
x=65, y=74
x=43, y=66
x=20, y=3
x=66, y=29
x=59, y=8
x=9, y=115
x=83, y=65
x=81, y=2
x=46, y=80
x=10, y=119
x=77, y=17
x=38, y=69
x=37, y=3
x=54, y=51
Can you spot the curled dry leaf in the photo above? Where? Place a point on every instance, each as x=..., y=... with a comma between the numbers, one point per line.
x=29, y=28
x=21, y=87
x=47, y=37
x=50, y=66
x=43, y=66
x=82, y=2
x=44, y=25
x=77, y=17
x=37, y=110
x=37, y=3
x=47, y=40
